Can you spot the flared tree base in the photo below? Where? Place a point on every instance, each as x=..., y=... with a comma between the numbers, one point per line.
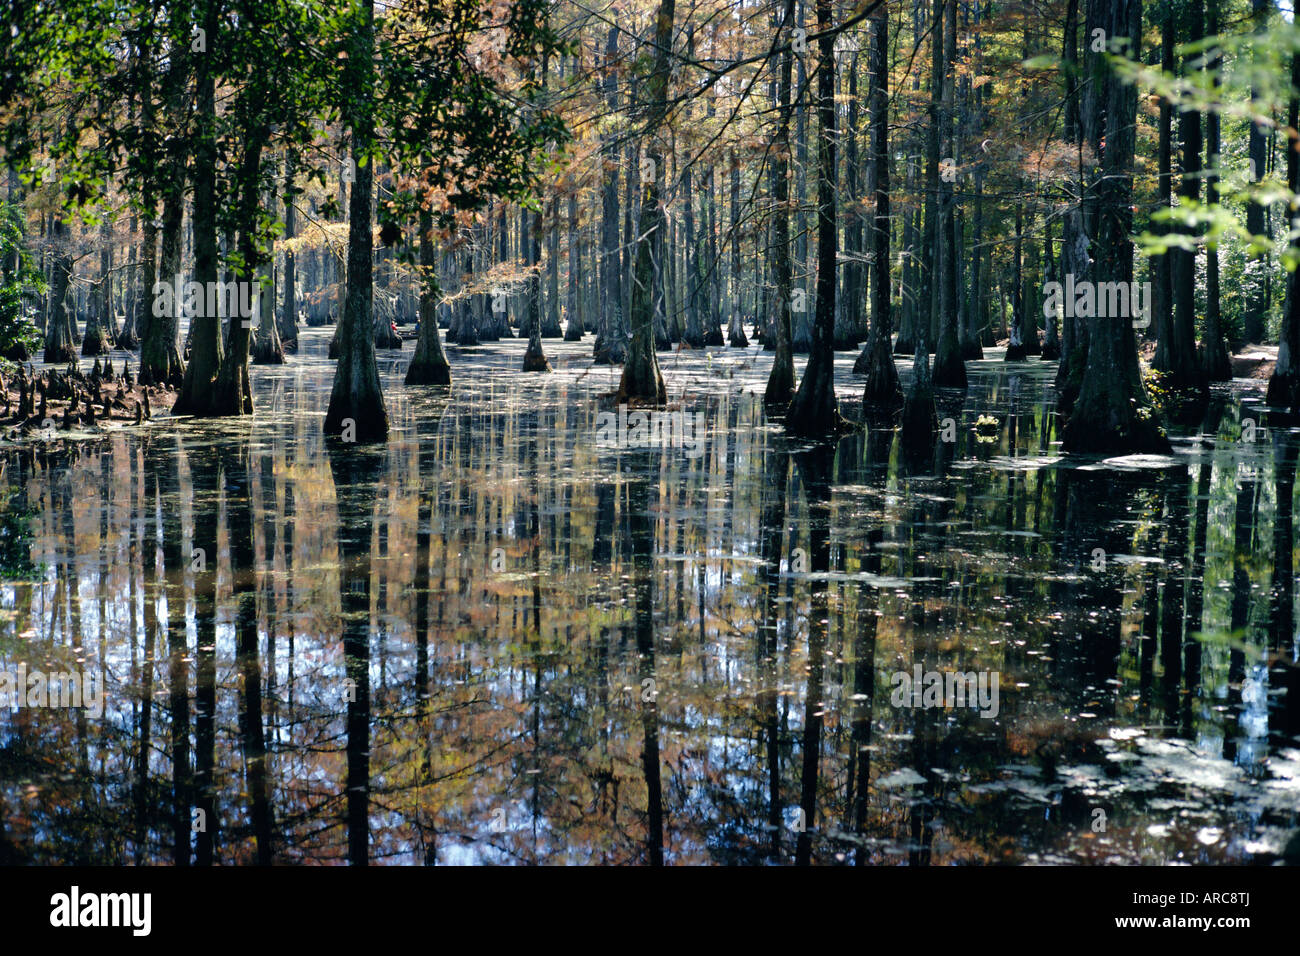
x=1283, y=391
x=949, y=369
x=536, y=362
x=608, y=354
x=96, y=342
x=60, y=355
x=1110, y=431
x=1216, y=364
x=267, y=353
x=644, y=390
x=428, y=373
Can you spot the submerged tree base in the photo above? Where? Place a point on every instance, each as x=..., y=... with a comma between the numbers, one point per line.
x=949, y=369
x=645, y=390
x=608, y=354
x=536, y=362
x=1283, y=391
x=883, y=392
x=1111, y=430
x=96, y=342
x=60, y=355
x=428, y=373
x=267, y=352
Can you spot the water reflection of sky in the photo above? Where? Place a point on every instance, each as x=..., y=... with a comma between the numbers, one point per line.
x=538, y=580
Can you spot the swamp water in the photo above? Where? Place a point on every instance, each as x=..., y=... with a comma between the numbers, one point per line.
x=499, y=639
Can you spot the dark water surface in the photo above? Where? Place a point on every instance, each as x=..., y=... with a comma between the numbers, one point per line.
x=493, y=640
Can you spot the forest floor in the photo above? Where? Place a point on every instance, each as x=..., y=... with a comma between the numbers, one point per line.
x=48, y=402
x=1250, y=361
x=1254, y=361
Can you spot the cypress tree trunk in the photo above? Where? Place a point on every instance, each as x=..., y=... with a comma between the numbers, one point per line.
x=629, y=202
x=1284, y=385
x=1214, y=357
x=882, y=391
x=160, y=359
x=429, y=363
x=971, y=349
x=196, y=397
x=713, y=326
x=1184, y=369
x=1028, y=313
x=573, y=323
x=59, y=347
x=642, y=381
x=148, y=275
x=780, y=381
x=949, y=369
x=267, y=349
x=736, y=331
x=927, y=302
x=1074, y=240
x=814, y=410
x=551, y=326
x=289, y=313
x=1016, y=351
x=848, y=322
x=693, y=334
x=385, y=337
x=132, y=300
x=466, y=330
x=233, y=393
x=908, y=295
x=534, y=357
x=1162, y=290
x=801, y=331
x=96, y=340
x=1052, y=346
x=1112, y=414
x=1253, y=317
x=609, y=346
x=356, y=398
x=919, y=418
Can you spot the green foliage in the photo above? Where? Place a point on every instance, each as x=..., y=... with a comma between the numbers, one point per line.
x=18, y=334
x=1247, y=81
x=16, y=538
x=447, y=116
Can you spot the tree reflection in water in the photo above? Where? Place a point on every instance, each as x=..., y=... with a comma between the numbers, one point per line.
x=492, y=641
